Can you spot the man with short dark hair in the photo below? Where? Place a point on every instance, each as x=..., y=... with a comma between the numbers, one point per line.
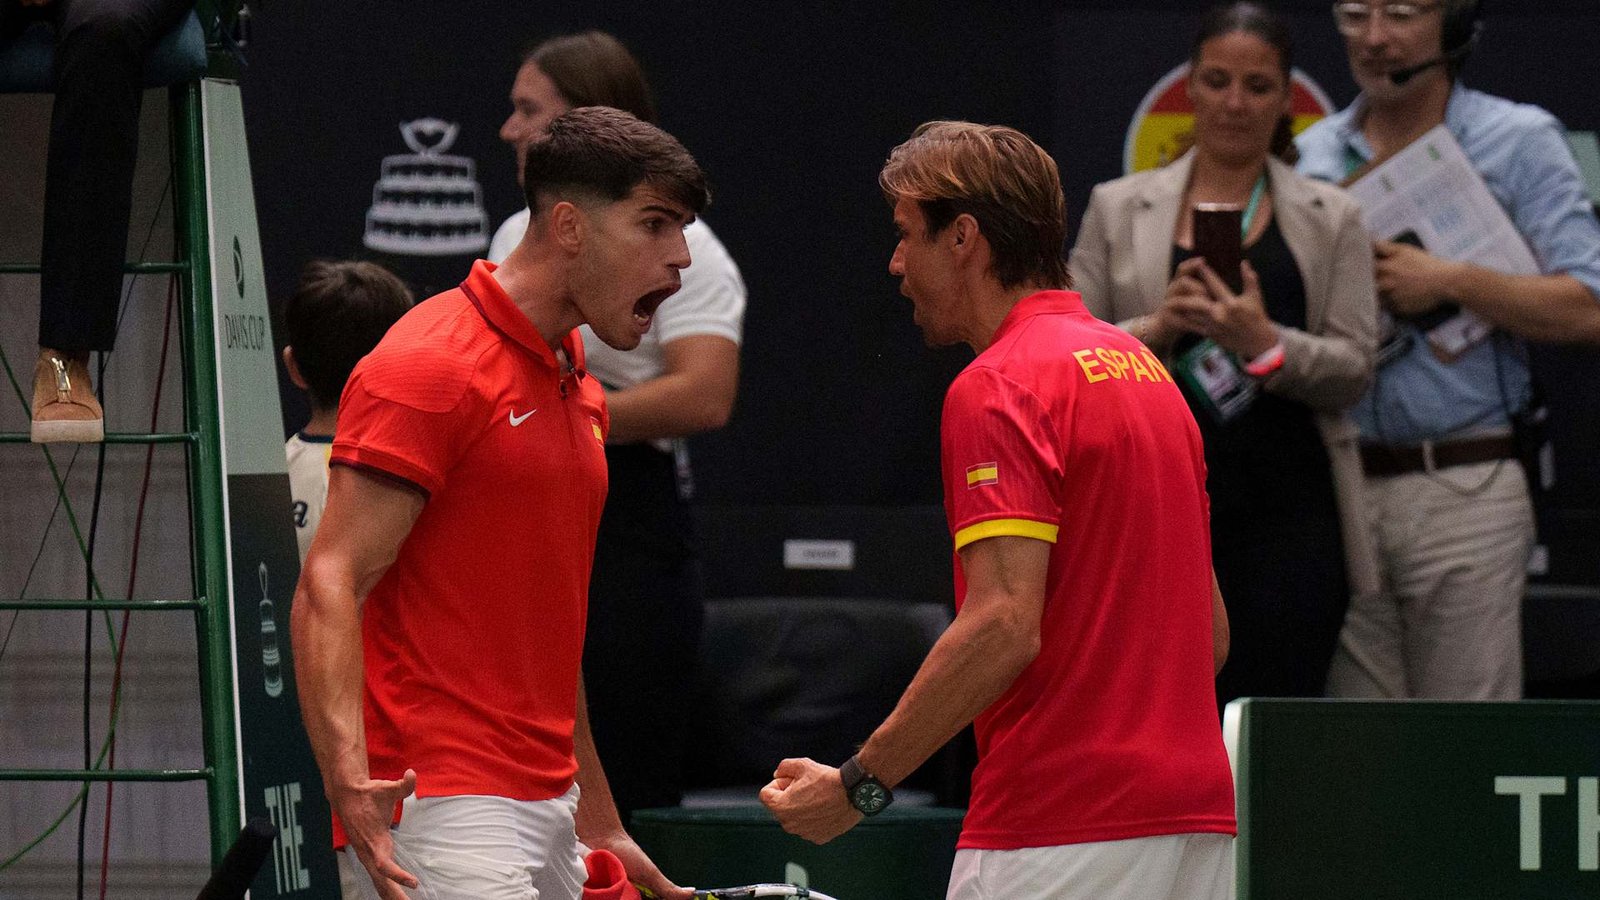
x=338, y=312
x=1448, y=510
x=1089, y=627
x=439, y=619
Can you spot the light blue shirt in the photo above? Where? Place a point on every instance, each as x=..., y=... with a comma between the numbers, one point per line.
x=1522, y=153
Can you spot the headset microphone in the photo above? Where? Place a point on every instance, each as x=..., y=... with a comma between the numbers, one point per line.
x=1400, y=76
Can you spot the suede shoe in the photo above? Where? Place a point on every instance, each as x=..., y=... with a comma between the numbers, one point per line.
x=64, y=406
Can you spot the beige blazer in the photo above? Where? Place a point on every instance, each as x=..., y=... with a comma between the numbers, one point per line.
x=1124, y=254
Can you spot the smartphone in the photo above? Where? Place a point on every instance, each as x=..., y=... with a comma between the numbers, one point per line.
x=1218, y=241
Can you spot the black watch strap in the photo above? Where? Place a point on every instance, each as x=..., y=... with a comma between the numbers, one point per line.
x=851, y=774
x=866, y=793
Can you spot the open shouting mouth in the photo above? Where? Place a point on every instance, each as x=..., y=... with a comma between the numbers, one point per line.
x=645, y=309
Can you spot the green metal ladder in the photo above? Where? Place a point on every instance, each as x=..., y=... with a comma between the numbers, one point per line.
x=201, y=438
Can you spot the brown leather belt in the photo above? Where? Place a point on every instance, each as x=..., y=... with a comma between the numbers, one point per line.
x=1381, y=460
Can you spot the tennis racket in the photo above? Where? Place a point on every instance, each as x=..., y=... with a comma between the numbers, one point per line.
x=750, y=891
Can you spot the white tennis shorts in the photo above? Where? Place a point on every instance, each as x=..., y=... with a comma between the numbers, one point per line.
x=1165, y=867
x=481, y=848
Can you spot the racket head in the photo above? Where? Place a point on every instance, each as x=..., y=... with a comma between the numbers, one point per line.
x=770, y=890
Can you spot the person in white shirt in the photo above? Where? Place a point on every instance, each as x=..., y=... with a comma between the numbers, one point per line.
x=645, y=604
x=336, y=315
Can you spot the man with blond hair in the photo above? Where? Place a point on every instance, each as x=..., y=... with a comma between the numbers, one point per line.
x=1089, y=627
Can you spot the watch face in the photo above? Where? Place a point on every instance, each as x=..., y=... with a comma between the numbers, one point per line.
x=870, y=798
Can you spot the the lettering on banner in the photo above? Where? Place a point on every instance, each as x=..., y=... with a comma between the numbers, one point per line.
x=1531, y=791
x=288, y=851
x=244, y=332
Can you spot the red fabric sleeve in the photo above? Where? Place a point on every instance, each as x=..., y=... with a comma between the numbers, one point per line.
x=408, y=417
x=1001, y=458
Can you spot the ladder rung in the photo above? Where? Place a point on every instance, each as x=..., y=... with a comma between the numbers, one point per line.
x=120, y=437
x=133, y=268
x=52, y=603
x=104, y=774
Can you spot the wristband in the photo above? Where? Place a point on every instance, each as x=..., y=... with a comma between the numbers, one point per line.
x=1267, y=363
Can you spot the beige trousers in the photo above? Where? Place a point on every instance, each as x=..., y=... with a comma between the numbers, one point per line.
x=1452, y=547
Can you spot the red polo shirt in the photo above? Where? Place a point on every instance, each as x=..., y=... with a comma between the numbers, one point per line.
x=1068, y=430
x=472, y=638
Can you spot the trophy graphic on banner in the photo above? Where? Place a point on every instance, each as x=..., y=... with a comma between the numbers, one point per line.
x=425, y=202
x=271, y=663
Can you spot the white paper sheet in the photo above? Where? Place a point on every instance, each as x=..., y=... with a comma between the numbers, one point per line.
x=1431, y=189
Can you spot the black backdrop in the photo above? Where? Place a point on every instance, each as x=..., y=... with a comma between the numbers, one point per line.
x=791, y=108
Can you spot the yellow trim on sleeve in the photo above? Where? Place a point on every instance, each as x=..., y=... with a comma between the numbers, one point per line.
x=1027, y=528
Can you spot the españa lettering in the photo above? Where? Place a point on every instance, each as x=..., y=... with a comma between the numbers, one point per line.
x=1102, y=363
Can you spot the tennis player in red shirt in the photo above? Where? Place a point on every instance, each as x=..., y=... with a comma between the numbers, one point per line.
x=1089, y=627
x=439, y=620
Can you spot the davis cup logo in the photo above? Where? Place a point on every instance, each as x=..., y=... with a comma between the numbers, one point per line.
x=1162, y=128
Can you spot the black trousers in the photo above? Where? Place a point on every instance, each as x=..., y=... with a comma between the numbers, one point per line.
x=94, y=140
x=643, y=638
x=1284, y=582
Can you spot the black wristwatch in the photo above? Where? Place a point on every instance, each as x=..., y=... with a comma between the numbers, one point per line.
x=865, y=793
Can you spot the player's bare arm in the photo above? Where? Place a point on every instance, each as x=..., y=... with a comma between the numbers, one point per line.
x=366, y=520
x=993, y=638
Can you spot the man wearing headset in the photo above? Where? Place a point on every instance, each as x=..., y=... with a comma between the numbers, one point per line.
x=1448, y=507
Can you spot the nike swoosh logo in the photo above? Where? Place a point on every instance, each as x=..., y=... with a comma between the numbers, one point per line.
x=518, y=420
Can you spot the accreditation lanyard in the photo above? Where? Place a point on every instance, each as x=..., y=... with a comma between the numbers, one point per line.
x=1353, y=162
x=1253, y=207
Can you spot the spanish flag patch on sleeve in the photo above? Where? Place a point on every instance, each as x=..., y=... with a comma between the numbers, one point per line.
x=983, y=474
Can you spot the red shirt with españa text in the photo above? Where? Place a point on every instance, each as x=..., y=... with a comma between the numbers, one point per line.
x=1068, y=430
x=472, y=638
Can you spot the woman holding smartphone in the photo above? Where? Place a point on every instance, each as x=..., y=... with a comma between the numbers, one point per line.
x=1270, y=364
